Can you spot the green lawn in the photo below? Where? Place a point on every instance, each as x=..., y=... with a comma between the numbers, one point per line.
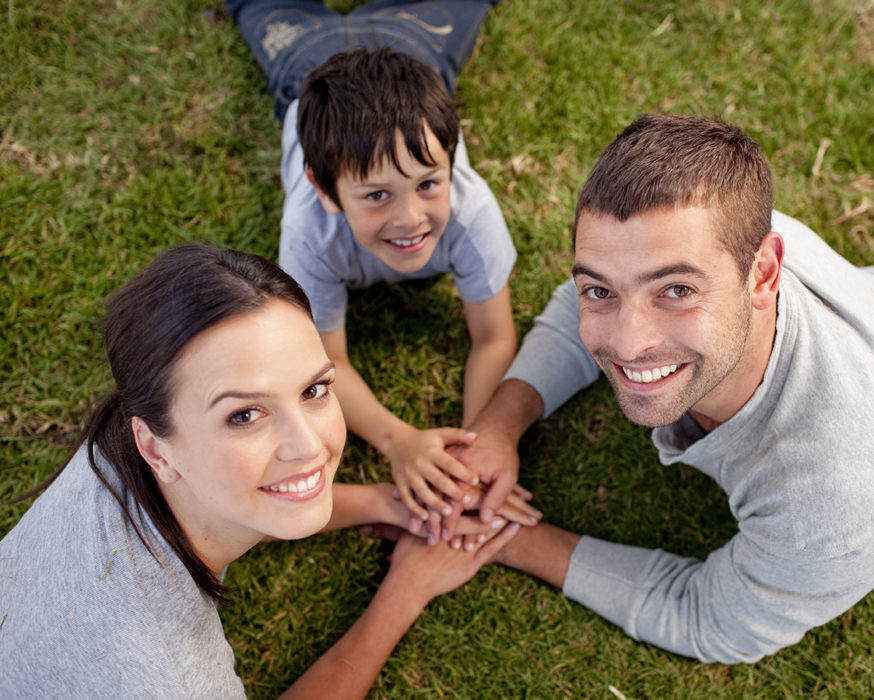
x=127, y=127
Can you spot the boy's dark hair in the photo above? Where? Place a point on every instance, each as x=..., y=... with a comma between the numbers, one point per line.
x=352, y=106
x=669, y=160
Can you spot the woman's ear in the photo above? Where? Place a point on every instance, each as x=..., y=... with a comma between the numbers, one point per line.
x=153, y=450
x=328, y=204
x=765, y=273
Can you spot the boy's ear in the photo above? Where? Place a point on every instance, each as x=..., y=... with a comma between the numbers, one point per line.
x=328, y=204
x=765, y=273
x=153, y=450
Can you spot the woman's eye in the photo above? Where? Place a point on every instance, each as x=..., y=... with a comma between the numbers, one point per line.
x=316, y=391
x=678, y=291
x=244, y=417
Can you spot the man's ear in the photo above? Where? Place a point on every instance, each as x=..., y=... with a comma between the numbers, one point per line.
x=765, y=273
x=153, y=450
x=328, y=204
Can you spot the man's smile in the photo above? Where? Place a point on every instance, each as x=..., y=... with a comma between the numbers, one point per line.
x=647, y=376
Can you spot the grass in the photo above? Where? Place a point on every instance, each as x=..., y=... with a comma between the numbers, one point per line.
x=128, y=127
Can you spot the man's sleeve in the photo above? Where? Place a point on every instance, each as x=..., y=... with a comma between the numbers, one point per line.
x=552, y=358
x=740, y=604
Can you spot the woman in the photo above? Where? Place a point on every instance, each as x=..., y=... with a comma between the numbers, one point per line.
x=221, y=431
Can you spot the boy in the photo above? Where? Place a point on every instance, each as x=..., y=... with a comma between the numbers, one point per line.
x=379, y=188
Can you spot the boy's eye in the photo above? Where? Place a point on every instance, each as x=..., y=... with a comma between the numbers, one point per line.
x=377, y=196
x=316, y=391
x=427, y=184
x=678, y=291
x=244, y=417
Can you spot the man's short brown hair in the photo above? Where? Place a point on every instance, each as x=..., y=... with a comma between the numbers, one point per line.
x=669, y=160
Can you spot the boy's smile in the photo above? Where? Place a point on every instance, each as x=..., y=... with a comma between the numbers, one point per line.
x=397, y=213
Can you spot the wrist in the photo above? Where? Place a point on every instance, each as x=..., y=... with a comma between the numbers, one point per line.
x=407, y=599
x=513, y=408
x=392, y=437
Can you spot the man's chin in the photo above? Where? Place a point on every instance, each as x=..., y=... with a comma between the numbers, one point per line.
x=646, y=414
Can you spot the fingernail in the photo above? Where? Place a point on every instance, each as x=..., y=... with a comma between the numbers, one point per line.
x=415, y=525
x=466, y=499
x=480, y=538
x=431, y=539
x=498, y=522
x=468, y=546
x=487, y=514
x=445, y=534
x=475, y=480
x=447, y=511
x=455, y=544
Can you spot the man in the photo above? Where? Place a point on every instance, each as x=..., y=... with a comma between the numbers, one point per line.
x=748, y=344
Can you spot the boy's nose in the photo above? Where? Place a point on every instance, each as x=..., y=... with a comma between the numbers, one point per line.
x=409, y=213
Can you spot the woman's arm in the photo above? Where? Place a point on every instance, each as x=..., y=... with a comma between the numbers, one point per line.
x=418, y=573
x=361, y=504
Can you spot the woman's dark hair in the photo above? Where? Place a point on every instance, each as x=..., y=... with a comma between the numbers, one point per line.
x=149, y=321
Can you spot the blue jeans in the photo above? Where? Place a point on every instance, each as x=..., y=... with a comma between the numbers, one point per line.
x=290, y=37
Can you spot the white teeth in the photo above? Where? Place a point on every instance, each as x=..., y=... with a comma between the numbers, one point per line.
x=407, y=242
x=649, y=375
x=301, y=485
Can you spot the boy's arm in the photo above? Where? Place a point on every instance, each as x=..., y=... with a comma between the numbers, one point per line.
x=492, y=347
x=418, y=457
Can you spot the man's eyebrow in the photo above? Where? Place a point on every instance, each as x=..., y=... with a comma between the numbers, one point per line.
x=583, y=271
x=667, y=271
x=254, y=395
x=652, y=276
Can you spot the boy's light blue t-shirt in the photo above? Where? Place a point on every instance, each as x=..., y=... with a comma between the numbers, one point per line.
x=319, y=251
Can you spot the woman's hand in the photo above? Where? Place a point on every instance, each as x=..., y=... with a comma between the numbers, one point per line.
x=428, y=571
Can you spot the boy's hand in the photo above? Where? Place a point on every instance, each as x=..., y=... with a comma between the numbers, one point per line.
x=420, y=463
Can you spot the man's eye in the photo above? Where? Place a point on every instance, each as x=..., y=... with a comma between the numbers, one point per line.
x=678, y=291
x=596, y=293
x=316, y=391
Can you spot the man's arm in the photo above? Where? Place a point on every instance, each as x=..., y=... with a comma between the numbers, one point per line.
x=512, y=409
x=740, y=604
x=492, y=346
x=551, y=366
